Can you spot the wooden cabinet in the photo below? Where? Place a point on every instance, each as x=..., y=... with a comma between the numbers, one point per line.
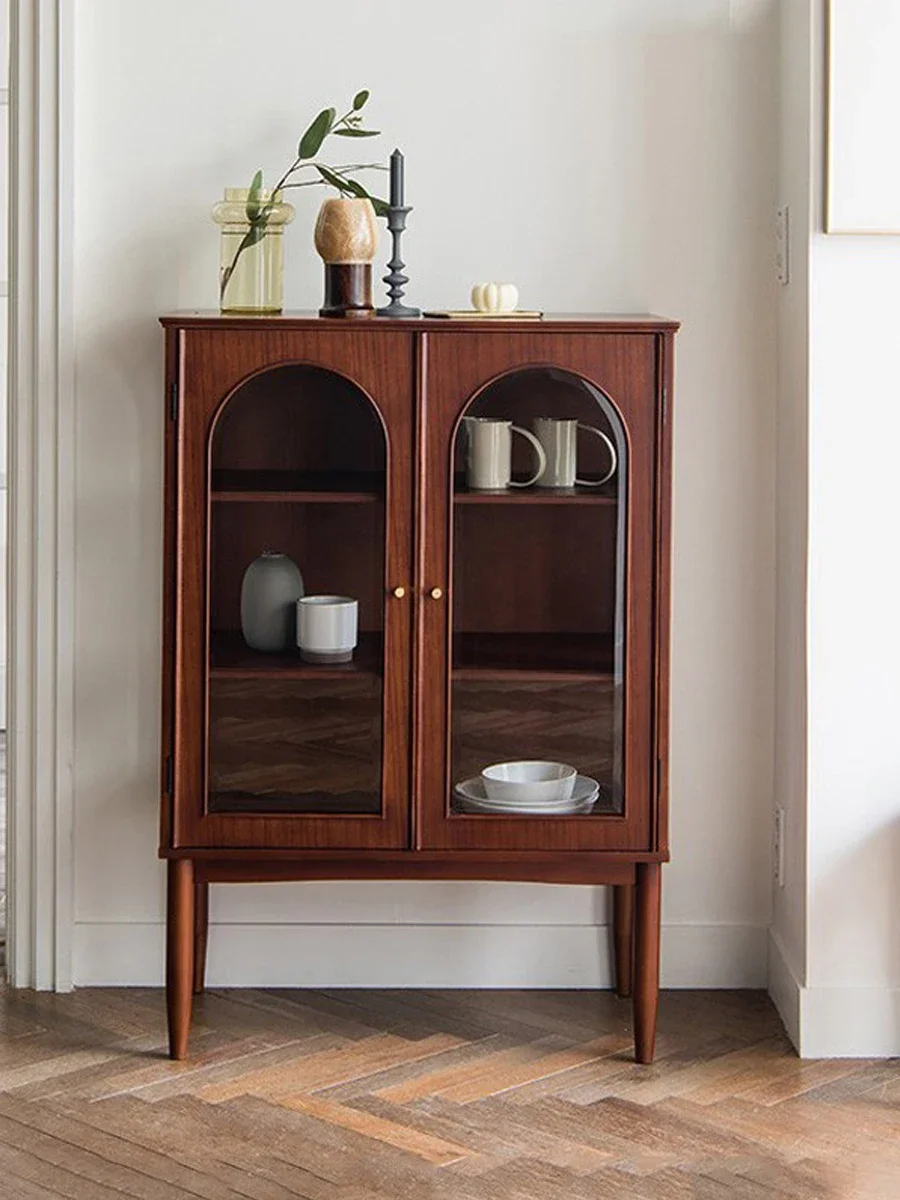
x=522, y=623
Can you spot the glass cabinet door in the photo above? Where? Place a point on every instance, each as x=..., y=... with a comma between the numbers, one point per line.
x=297, y=510
x=296, y=532
x=546, y=544
x=538, y=600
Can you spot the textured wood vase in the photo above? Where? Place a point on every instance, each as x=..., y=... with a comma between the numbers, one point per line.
x=346, y=237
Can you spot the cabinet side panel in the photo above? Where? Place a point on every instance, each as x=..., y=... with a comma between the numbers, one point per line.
x=666, y=351
x=168, y=585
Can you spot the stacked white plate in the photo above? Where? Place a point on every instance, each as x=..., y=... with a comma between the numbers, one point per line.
x=472, y=797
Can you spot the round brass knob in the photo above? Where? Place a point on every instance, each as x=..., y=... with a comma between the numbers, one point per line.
x=399, y=592
x=436, y=593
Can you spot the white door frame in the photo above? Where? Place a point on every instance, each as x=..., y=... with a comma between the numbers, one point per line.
x=41, y=497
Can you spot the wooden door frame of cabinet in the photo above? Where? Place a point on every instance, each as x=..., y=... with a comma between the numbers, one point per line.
x=581, y=356
x=185, y=825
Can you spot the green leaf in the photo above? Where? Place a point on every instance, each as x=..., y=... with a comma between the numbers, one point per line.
x=342, y=185
x=254, y=234
x=253, y=201
x=316, y=134
x=356, y=188
x=380, y=206
x=359, y=99
x=357, y=132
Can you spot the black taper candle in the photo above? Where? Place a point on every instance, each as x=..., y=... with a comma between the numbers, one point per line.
x=396, y=180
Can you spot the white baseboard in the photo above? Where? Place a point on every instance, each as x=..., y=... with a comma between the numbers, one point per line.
x=850, y=1022
x=470, y=956
x=833, y=1022
x=784, y=988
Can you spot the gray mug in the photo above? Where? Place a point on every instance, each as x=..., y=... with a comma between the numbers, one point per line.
x=489, y=454
x=559, y=440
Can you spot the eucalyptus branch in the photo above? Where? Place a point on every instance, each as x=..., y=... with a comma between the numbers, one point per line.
x=327, y=122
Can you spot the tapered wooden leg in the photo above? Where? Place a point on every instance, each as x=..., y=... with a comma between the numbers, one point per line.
x=201, y=933
x=180, y=954
x=646, y=959
x=623, y=936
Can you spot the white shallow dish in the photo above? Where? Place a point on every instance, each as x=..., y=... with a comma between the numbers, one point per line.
x=473, y=798
x=529, y=780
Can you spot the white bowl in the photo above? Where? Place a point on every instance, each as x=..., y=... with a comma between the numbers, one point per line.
x=534, y=781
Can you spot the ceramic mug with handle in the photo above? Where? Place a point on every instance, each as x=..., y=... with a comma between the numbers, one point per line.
x=489, y=454
x=559, y=440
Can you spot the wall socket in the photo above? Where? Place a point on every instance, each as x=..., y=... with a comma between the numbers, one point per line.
x=778, y=845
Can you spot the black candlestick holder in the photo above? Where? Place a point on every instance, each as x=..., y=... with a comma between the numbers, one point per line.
x=396, y=281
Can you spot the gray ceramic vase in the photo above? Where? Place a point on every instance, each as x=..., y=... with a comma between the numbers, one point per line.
x=271, y=587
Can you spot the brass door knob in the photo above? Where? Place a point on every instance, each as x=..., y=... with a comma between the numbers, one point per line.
x=399, y=592
x=436, y=593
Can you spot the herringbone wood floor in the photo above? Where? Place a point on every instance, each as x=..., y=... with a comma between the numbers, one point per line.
x=438, y=1095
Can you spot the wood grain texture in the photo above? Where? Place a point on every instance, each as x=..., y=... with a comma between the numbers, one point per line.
x=216, y=362
x=459, y=369
x=463, y=1095
x=180, y=940
x=623, y=938
x=309, y=322
x=647, y=900
x=338, y=441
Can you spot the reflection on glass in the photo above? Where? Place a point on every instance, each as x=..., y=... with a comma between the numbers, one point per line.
x=297, y=466
x=538, y=637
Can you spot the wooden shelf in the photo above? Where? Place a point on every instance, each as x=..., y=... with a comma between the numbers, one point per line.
x=605, y=495
x=563, y=657
x=231, y=658
x=326, y=804
x=348, y=487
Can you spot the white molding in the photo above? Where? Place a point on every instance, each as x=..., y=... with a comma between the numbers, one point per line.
x=41, y=379
x=849, y=1022
x=131, y=954
x=833, y=1022
x=784, y=988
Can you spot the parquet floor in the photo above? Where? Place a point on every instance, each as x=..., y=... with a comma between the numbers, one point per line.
x=426, y=1095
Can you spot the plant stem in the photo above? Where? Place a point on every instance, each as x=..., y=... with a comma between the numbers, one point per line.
x=250, y=237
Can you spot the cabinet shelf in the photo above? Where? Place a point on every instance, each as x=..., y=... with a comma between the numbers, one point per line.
x=551, y=497
x=563, y=657
x=331, y=487
x=231, y=658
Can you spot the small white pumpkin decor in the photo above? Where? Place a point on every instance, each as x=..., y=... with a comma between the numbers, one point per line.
x=495, y=297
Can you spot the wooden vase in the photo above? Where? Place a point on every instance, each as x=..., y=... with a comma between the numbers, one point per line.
x=346, y=237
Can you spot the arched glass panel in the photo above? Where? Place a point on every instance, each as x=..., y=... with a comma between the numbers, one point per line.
x=538, y=636
x=297, y=476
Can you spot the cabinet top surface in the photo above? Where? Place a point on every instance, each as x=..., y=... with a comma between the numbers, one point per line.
x=549, y=322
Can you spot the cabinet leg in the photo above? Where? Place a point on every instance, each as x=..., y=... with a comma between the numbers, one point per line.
x=646, y=959
x=623, y=936
x=179, y=954
x=201, y=934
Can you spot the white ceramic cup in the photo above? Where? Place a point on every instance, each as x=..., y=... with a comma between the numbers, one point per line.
x=559, y=440
x=327, y=628
x=489, y=454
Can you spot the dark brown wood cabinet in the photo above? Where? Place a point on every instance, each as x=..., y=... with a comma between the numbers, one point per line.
x=526, y=623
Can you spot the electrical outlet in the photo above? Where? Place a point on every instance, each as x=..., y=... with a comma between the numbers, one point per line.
x=783, y=244
x=778, y=845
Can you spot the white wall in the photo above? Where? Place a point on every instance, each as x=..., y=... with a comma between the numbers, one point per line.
x=787, y=959
x=853, y=1005
x=835, y=969
x=606, y=156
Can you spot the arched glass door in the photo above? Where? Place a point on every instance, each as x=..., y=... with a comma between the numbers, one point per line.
x=295, y=696
x=538, y=544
